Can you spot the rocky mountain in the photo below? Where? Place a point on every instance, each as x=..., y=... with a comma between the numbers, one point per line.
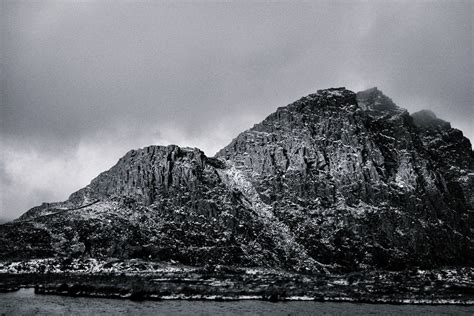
x=334, y=181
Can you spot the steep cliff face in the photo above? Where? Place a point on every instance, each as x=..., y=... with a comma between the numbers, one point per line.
x=160, y=203
x=360, y=181
x=143, y=175
x=336, y=180
x=450, y=154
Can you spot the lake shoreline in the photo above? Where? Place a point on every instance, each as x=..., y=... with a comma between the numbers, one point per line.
x=253, y=298
x=26, y=302
x=142, y=280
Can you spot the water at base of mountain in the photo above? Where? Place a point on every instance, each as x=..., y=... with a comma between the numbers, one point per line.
x=25, y=302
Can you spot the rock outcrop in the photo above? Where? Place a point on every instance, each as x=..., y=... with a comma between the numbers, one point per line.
x=336, y=180
x=361, y=182
x=159, y=203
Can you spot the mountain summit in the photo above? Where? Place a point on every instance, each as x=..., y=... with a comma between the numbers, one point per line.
x=334, y=181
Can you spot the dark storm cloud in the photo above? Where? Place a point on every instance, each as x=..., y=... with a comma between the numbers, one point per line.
x=83, y=82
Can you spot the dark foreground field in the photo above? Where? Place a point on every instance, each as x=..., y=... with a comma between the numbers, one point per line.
x=139, y=280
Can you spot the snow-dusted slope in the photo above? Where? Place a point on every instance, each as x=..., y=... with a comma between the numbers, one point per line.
x=336, y=180
x=360, y=182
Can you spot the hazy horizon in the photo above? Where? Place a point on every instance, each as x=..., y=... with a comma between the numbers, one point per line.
x=84, y=82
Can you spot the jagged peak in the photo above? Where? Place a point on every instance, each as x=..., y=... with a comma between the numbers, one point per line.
x=140, y=159
x=375, y=101
x=428, y=114
x=174, y=151
x=341, y=95
x=427, y=118
x=164, y=148
x=371, y=92
x=296, y=187
x=333, y=92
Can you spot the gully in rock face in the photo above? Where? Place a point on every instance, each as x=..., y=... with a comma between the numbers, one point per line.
x=335, y=182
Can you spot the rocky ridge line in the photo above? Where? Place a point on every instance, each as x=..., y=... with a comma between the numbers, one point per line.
x=335, y=180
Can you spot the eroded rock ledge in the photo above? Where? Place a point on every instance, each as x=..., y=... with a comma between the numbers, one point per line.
x=336, y=181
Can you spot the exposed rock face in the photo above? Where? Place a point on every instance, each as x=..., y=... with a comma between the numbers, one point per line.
x=160, y=203
x=143, y=175
x=335, y=180
x=361, y=182
x=449, y=152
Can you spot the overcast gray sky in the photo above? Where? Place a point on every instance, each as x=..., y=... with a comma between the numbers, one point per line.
x=84, y=82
